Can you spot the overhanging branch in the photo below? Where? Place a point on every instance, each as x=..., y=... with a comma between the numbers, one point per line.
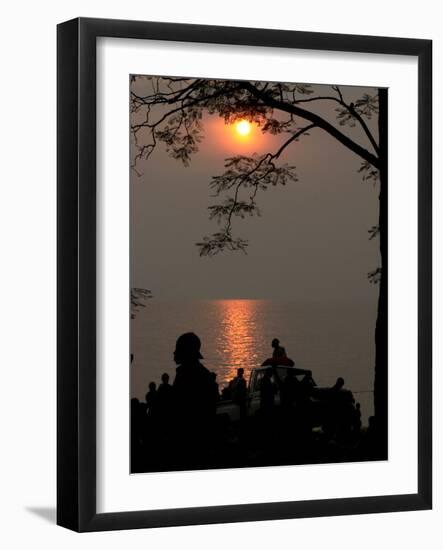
x=315, y=119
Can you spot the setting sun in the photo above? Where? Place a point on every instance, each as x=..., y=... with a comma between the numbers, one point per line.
x=243, y=127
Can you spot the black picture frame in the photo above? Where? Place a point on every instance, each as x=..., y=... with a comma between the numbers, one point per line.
x=76, y=357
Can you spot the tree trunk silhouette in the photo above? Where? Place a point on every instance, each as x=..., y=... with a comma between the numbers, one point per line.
x=381, y=330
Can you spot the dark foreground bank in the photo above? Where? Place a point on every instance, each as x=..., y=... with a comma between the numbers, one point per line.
x=252, y=442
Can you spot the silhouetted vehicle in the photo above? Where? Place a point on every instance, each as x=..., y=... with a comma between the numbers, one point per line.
x=323, y=402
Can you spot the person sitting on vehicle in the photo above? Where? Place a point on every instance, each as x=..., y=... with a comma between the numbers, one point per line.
x=279, y=351
x=279, y=356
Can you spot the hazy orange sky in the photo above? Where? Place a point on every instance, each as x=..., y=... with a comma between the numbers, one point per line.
x=310, y=243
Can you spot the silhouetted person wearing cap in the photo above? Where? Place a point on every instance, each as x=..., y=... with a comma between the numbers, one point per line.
x=193, y=391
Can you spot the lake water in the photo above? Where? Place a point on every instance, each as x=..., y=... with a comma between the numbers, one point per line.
x=332, y=340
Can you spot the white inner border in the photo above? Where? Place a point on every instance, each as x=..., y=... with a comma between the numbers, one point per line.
x=116, y=489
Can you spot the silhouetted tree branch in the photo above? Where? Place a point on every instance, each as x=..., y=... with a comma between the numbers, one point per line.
x=171, y=114
x=138, y=299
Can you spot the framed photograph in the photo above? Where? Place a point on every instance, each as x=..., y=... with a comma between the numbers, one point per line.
x=244, y=274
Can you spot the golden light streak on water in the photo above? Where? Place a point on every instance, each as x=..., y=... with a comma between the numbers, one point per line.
x=239, y=321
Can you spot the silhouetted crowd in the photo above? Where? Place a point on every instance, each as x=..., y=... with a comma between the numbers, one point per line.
x=177, y=426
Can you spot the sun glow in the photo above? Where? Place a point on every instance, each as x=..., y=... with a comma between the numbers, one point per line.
x=240, y=135
x=243, y=127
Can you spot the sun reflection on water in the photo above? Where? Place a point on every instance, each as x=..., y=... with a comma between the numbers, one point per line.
x=238, y=338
